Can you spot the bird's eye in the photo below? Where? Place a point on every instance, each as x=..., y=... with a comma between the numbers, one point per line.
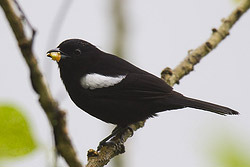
x=77, y=51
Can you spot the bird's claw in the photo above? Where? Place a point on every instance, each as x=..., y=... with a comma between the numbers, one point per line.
x=105, y=143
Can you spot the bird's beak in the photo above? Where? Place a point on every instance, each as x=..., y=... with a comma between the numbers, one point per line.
x=55, y=54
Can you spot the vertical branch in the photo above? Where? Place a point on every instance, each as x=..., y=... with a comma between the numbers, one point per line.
x=119, y=27
x=118, y=45
x=55, y=115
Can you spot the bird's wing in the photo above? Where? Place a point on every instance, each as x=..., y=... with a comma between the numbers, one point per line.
x=137, y=83
x=137, y=86
x=146, y=82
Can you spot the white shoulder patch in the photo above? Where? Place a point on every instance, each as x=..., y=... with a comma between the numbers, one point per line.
x=94, y=81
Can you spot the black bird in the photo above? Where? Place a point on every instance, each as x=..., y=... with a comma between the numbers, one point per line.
x=115, y=91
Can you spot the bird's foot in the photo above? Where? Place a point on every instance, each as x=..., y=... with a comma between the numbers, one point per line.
x=105, y=143
x=124, y=130
x=119, y=131
x=131, y=130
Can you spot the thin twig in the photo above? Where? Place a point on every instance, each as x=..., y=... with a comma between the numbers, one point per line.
x=23, y=16
x=101, y=158
x=55, y=115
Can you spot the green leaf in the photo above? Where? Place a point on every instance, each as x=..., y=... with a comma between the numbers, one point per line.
x=230, y=152
x=236, y=1
x=233, y=155
x=15, y=136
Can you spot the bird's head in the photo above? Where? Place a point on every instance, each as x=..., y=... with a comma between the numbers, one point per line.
x=72, y=50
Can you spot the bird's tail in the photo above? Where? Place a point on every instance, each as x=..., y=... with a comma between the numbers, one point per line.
x=198, y=104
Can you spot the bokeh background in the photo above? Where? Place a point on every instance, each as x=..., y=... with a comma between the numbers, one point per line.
x=152, y=35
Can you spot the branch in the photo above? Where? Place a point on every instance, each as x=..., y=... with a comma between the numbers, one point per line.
x=101, y=158
x=194, y=56
x=55, y=115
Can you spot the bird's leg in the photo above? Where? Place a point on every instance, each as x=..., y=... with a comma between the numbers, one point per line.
x=118, y=130
x=123, y=130
x=104, y=141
